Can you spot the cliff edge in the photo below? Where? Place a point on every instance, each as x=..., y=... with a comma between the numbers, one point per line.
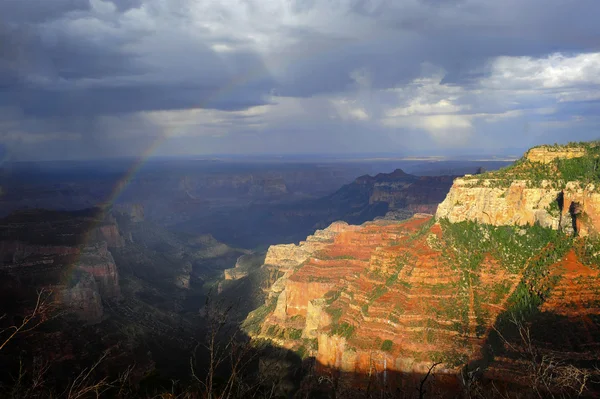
x=392, y=298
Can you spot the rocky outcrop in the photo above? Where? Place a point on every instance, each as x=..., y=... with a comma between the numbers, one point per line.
x=390, y=296
x=83, y=297
x=401, y=295
x=368, y=285
x=397, y=190
x=110, y=234
x=135, y=212
x=422, y=194
x=66, y=252
x=529, y=193
x=520, y=204
x=182, y=279
x=548, y=154
x=97, y=261
x=244, y=265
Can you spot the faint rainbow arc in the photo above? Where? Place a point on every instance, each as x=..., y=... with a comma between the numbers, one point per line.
x=137, y=165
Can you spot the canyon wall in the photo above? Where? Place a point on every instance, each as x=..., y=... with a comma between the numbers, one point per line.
x=65, y=252
x=555, y=186
x=379, y=297
x=520, y=204
x=548, y=154
x=401, y=295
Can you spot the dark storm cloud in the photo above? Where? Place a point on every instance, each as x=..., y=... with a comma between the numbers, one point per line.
x=119, y=100
x=70, y=75
x=36, y=11
x=458, y=36
x=73, y=60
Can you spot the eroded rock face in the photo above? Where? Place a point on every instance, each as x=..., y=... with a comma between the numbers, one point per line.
x=97, y=261
x=243, y=266
x=555, y=186
x=383, y=283
x=521, y=204
x=421, y=194
x=400, y=296
x=134, y=211
x=83, y=298
x=182, y=280
x=547, y=154
x=66, y=252
x=394, y=296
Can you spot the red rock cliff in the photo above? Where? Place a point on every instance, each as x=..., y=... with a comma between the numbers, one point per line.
x=399, y=296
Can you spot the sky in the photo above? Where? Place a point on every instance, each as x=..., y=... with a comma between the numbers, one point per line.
x=82, y=79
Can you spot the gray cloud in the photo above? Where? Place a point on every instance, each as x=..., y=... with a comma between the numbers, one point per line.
x=68, y=65
x=39, y=11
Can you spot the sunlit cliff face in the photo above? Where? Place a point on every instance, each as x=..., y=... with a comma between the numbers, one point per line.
x=401, y=296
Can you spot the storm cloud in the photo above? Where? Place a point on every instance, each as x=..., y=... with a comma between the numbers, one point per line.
x=82, y=78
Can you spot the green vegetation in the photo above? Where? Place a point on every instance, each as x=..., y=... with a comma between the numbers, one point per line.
x=253, y=322
x=344, y=257
x=377, y=293
x=335, y=313
x=452, y=359
x=312, y=279
x=322, y=256
x=499, y=291
x=424, y=229
x=387, y=345
x=553, y=209
x=430, y=336
x=468, y=242
x=302, y=352
x=294, y=333
x=343, y=330
x=332, y=296
x=585, y=169
x=391, y=279
x=365, y=309
x=588, y=251
x=529, y=250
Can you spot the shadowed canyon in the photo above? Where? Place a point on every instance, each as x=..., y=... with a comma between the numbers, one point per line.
x=420, y=279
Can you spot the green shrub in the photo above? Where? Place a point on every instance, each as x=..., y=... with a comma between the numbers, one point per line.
x=343, y=330
x=332, y=296
x=391, y=279
x=387, y=345
x=335, y=313
x=377, y=293
x=294, y=333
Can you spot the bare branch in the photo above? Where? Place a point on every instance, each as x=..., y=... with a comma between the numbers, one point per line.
x=40, y=314
x=422, y=386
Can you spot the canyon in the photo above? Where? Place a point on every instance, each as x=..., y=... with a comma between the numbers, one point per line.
x=393, y=273
x=66, y=253
x=385, y=300
x=395, y=195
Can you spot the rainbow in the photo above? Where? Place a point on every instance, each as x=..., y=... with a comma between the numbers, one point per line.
x=133, y=170
x=122, y=184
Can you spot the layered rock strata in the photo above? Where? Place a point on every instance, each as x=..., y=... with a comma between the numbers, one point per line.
x=521, y=204
x=556, y=187
x=400, y=296
x=66, y=252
